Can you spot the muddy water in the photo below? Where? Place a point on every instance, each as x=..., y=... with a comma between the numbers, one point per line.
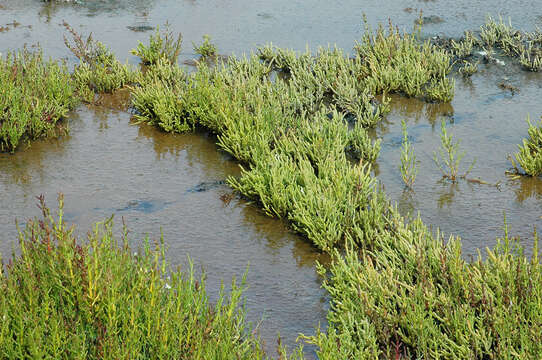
x=490, y=122
x=175, y=183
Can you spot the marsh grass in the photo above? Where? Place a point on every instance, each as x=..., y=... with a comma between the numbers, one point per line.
x=35, y=95
x=408, y=159
x=400, y=62
x=158, y=97
x=98, y=71
x=296, y=135
x=496, y=36
x=525, y=46
x=449, y=157
x=468, y=69
x=162, y=46
x=530, y=153
x=63, y=298
x=207, y=49
x=464, y=47
x=397, y=290
x=413, y=296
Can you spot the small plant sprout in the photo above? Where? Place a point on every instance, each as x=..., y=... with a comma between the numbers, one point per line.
x=408, y=160
x=468, y=68
x=450, y=157
x=530, y=154
x=206, y=49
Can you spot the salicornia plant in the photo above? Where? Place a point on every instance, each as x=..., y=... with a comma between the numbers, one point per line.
x=450, y=157
x=206, y=49
x=161, y=46
x=63, y=298
x=530, y=154
x=408, y=159
x=35, y=95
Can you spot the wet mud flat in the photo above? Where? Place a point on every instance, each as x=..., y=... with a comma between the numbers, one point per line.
x=176, y=182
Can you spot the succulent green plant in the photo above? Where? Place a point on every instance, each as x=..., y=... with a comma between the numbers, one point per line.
x=35, y=95
x=206, y=49
x=98, y=299
x=162, y=46
x=407, y=167
x=449, y=158
x=530, y=152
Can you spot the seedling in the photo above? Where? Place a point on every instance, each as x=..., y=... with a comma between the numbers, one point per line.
x=408, y=159
x=450, y=158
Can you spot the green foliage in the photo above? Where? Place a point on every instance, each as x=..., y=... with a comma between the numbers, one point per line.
x=206, y=49
x=450, y=158
x=162, y=46
x=328, y=78
x=408, y=159
x=523, y=45
x=468, y=69
x=530, y=154
x=291, y=133
x=34, y=95
x=98, y=70
x=413, y=296
x=361, y=145
x=158, y=97
x=394, y=62
x=65, y=299
x=464, y=47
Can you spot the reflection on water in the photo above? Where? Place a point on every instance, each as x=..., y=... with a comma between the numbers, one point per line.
x=407, y=203
x=447, y=194
x=527, y=187
x=416, y=110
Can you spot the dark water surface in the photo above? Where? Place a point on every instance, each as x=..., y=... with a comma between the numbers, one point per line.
x=176, y=183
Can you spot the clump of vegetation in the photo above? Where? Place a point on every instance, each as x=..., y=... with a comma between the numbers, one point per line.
x=395, y=62
x=530, y=154
x=412, y=296
x=464, y=47
x=62, y=298
x=408, y=159
x=159, y=98
x=206, y=49
x=34, y=95
x=450, y=157
x=162, y=46
x=293, y=134
x=526, y=46
x=468, y=69
x=98, y=71
x=361, y=145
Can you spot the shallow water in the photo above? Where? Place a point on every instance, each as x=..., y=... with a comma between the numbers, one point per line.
x=175, y=184
x=159, y=182
x=490, y=122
